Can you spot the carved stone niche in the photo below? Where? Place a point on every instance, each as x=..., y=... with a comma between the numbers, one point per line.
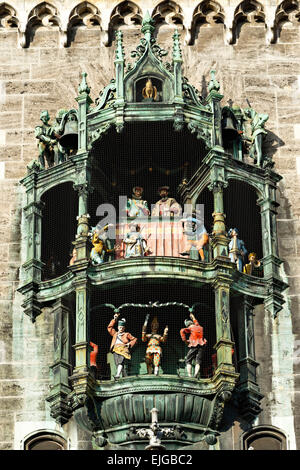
x=136, y=83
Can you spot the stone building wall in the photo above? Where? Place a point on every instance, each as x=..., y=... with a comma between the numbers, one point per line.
x=256, y=54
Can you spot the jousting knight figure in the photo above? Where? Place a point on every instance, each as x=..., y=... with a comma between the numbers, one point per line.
x=237, y=249
x=196, y=235
x=196, y=344
x=154, y=350
x=121, y=344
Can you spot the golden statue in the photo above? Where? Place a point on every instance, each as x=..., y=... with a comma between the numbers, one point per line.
x=154, y=350
x=149, y=91
x=252, y=267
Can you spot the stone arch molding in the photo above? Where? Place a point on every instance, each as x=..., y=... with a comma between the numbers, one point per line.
x=126, y=13
x=208, y=12
x=168, y=12
x=110, y=15
x=8, y=18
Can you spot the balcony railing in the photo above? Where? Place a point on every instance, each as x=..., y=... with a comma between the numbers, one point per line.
x=159, y=238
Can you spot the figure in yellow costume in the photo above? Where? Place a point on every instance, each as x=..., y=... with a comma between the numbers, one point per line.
x=154, y=350
x=99, y=240
x=254, y=267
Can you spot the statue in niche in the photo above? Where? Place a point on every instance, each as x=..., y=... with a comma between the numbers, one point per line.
x=196, y=234
x=257, y=132
x=136, y=244
x=44, y=133
x=136, y=207
x=196, y=344
x=166, y=206
x=237, y=249
x=254, y=267
x=60, y=153
x=149, y=91
x=100, y=241
x=154, y=350
x=120, y=345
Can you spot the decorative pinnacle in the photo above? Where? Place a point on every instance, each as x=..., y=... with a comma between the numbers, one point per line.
x=119, y=48
x=176, y=47
x=148, y=26
x=213, y=84
x=83, y=87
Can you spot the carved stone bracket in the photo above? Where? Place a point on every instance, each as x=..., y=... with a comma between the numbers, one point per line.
x=201, y=132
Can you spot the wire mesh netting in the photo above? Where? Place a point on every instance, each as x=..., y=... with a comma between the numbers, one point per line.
x=58, y=228
x=174, y=350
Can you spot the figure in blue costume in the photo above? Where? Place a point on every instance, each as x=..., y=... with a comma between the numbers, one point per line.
x=136, y=207
x=237, y=249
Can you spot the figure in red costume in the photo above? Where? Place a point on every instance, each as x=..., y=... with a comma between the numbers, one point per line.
x=120, y=344
x=196, y=344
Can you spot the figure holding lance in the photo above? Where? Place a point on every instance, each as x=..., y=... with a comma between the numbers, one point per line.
x=121, y=344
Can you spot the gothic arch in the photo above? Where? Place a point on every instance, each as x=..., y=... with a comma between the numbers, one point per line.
x=8, y=18
x=258, y=188
x=45, y=440
x=84, y=14
x=207, y=12
x=168, y=12
x=264, y=437
x=248, y=11
x=287, y=12
x=42, y=15
x=125, y=13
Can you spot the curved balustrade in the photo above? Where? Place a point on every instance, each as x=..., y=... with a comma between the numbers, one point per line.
x=161, y=238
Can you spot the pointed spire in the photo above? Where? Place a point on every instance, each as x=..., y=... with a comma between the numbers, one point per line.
x=119, y=49
x=213, y=84
x=148, y=26
x=83, y=87
x=176, y=47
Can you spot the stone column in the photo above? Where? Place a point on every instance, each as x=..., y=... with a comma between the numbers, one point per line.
x=268, y=206
x=249, y=395
x=61, y=368
x=82, y=348
x=34, y=266
x=177, y=68
x=219, y=238
x=271, y=261
x=81, y=242
x=119, y=67
x=84, y=101
x=224, y=343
